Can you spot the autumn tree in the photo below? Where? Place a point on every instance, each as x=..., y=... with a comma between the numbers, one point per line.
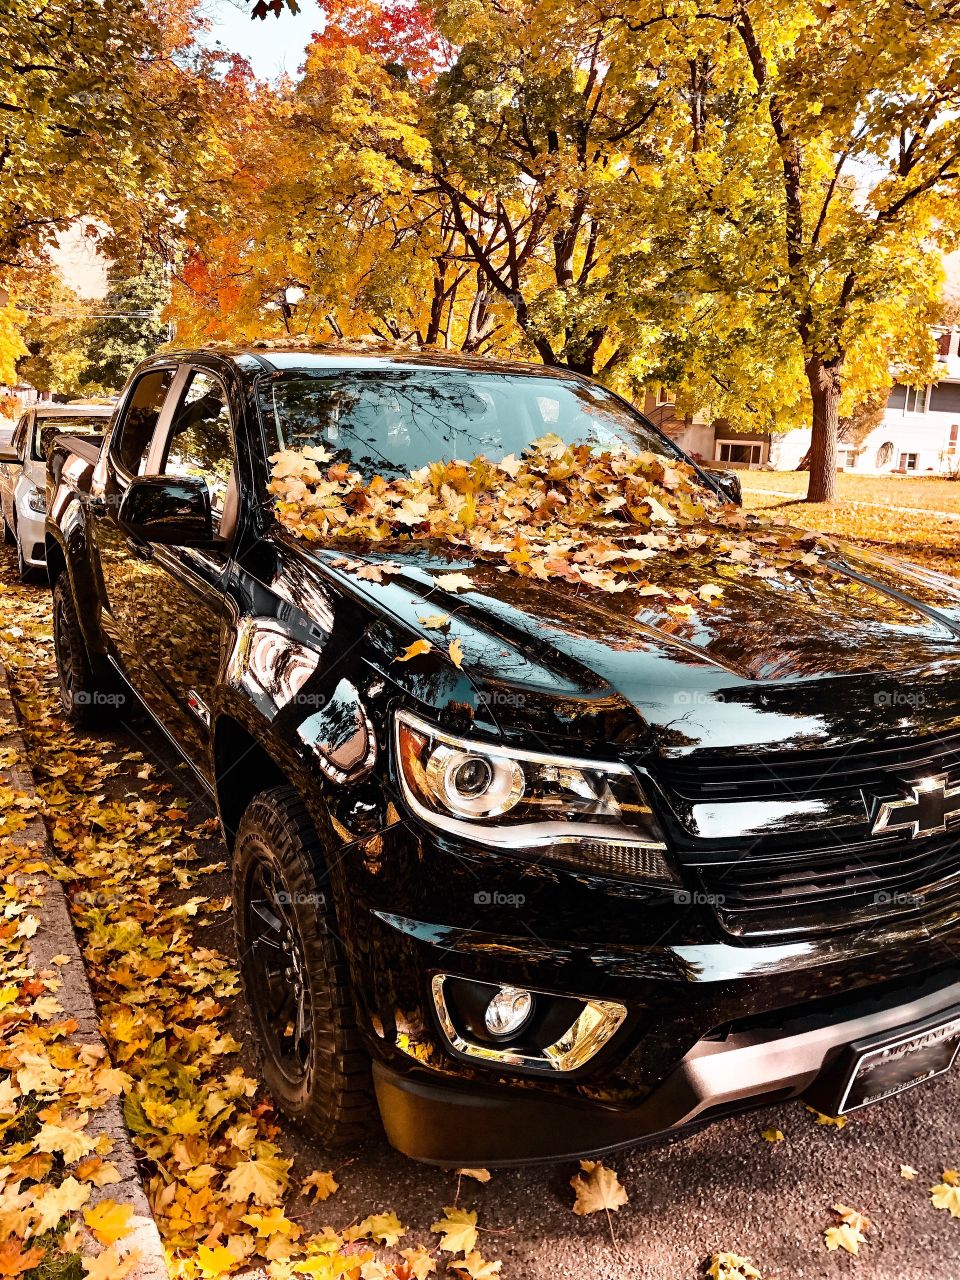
x=817, y=166
x=128, y=323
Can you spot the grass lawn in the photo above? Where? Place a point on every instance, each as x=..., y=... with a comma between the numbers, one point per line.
x=932, y=493
x=927, y=539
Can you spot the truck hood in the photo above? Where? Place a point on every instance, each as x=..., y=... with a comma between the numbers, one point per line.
x=870, y=648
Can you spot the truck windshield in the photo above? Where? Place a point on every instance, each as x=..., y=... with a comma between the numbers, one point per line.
x=395, y=421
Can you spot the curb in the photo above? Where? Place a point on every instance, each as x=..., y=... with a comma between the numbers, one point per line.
x=55, y=936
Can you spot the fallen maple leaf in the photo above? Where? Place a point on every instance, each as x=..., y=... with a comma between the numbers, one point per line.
x=455, y=650
x=111, y=1264
x=850, y=1234
x=908, y=1171
x=730, y=1266
x=434, y=621
x=414, y=650
x=215, y=1262
x=15, y=1260
x=600, y=1189
x=476, y=1268
x=454, y=582
x=458, y=1227
x=946, y=1194
x=108, y=1220
x=772, y=1135
x=323, y=1185
x=417, y=1264
x=829, y=1122
x=481, y=1175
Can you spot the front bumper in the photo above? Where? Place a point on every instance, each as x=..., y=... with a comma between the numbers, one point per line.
x=800, y=1054
x=31, y=533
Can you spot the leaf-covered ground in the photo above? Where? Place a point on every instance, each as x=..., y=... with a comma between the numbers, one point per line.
x=881, y=512
x=774, y=1194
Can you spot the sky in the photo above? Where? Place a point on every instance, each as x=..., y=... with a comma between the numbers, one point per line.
x=273, y=46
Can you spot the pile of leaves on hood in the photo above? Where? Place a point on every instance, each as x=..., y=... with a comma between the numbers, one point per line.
x=566, y=512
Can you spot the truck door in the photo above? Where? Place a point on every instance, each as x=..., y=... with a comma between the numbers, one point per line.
x=181, y=606
x=123, y=570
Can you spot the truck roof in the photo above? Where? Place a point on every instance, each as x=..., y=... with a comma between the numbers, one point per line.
x=280, y=356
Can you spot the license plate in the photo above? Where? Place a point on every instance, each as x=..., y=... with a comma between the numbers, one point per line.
x=885, y=1067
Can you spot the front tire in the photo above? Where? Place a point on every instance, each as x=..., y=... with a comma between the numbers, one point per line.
x=295, y=975
x=83, y=696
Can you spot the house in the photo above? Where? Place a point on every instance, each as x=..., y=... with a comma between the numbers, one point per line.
x=919, y=434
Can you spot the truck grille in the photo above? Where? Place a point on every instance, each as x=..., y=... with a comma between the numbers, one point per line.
x=755, y=776
x=814, y=891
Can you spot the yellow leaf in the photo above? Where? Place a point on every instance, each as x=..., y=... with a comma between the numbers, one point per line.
x=455, y=650
x=414, y=650
x=271, y=1223
x=481, y=1175
x=110, y=1265
x=599, y=1189
x=474, y=1266
x=907, y=1171
x=772, y=1135
x=829, y=1122
x=730, y=1266
x=946, y=1195
x=418, y=1263
x=458, y=1227
x=843, y=1237
x=263, y=1179
x=434, y=621
x=323, y=1185
x=108, y=1220
x=454, y=582
x=385, y=1227
x=215, y=1262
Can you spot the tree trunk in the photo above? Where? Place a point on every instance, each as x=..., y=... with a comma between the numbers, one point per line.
x=824, y=379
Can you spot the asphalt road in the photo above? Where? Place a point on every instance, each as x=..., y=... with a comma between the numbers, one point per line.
x=721, y=1189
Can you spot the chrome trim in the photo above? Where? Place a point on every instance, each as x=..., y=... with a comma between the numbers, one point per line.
x=582, y=1040
x=497, y=749
x=520, y=835
x=939, y=782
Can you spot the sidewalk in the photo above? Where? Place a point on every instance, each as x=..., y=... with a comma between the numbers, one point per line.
x=54, y=954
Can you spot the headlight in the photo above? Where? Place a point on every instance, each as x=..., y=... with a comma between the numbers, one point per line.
x=37, y=501
x=592, y=815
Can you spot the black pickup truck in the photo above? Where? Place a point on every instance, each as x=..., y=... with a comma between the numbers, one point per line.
x=606, y=872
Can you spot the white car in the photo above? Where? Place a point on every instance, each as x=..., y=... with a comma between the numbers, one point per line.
x=23, y=470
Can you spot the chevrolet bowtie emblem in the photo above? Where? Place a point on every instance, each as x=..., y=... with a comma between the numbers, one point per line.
x=933, y=806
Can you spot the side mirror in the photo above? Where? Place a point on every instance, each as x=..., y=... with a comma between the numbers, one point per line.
x=171, y=510
x=728, y=482
x=8, y=454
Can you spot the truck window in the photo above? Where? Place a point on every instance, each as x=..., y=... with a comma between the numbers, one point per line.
x=131, y=442
x=201, y=441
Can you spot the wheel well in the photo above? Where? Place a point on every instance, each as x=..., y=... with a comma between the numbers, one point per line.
x=56, y=560
x=244, y=768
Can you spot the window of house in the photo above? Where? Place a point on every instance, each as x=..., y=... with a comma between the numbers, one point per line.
x=916, y=400
x=898, y=396
x=664, y=396
x=131, y=442
x=954, y=438
x=847, y=458
x=945, y=397
x=747, y=453
x=908, y=462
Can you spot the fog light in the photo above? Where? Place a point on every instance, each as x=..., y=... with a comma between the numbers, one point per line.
x=508, y=1011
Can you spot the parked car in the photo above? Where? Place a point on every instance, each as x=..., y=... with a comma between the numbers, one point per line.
x=614, y=875
x=23, y=471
